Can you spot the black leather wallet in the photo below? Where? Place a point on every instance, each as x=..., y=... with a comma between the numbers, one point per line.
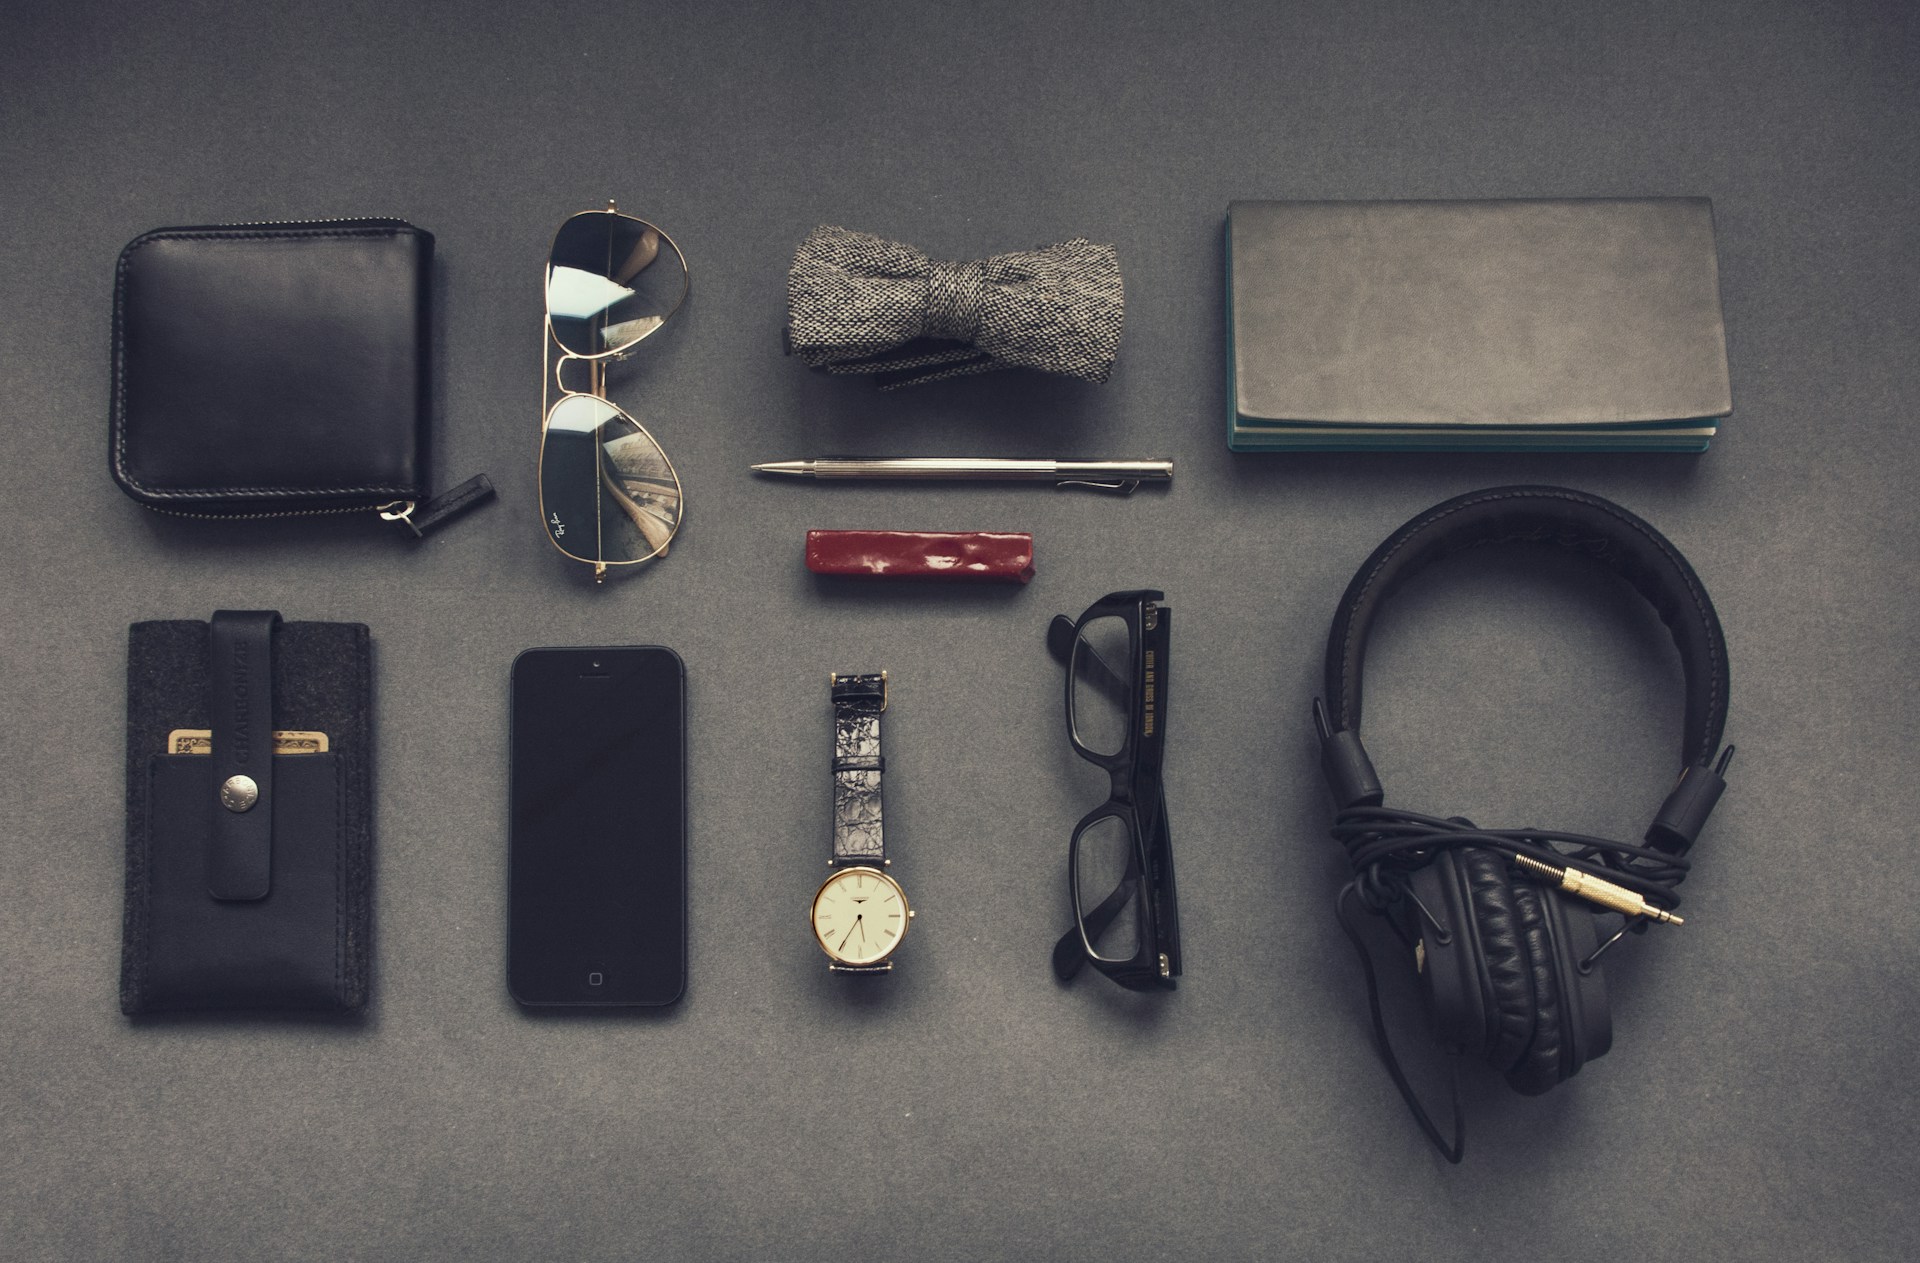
x=249, y=879
x=268, y=370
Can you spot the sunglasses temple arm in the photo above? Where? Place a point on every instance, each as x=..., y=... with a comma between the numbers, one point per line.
x=645, y=251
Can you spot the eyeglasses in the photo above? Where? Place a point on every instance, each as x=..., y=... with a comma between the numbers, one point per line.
x=1126, y=922
x=608, y=495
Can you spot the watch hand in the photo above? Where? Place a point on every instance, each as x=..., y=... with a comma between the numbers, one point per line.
x=849, y=933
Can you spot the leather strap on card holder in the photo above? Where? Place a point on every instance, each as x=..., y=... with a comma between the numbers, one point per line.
x=240, y=703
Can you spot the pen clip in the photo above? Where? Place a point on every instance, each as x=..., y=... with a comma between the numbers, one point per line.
x=1119, y=487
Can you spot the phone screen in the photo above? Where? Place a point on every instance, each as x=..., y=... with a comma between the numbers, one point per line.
x=597, y=867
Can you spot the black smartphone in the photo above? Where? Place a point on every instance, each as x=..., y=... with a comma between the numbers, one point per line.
x=597, y=853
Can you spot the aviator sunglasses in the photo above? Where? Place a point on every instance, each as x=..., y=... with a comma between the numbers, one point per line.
x=608, y=495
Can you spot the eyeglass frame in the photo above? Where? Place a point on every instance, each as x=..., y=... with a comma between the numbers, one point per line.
x=1137, y=797
x=597, y=363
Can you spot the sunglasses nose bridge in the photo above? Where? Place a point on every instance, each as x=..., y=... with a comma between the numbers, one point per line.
x=595, y=370
x=609, y=495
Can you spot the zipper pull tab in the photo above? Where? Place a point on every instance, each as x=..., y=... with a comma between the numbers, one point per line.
x=423, y=519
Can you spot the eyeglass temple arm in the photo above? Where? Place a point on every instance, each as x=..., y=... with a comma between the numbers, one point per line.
x=1070, y=953
x=1060, y=639
x=1095, y=668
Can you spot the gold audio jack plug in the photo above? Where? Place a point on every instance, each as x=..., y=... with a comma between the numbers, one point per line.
x=1597, y=890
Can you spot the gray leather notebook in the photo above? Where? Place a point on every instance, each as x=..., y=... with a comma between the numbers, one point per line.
x=1576, y=323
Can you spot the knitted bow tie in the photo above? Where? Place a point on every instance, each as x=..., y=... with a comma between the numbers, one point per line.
x=857, y=303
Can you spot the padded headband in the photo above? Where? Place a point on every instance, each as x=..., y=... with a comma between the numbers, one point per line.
x=1575, y=522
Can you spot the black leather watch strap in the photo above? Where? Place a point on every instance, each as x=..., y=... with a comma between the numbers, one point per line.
x=240, y=702
x=857, y=765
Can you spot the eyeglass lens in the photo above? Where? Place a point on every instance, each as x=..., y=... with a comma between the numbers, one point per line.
x=1106, y=891
x=611, y=281
x=1102, y=673
x=605, y=486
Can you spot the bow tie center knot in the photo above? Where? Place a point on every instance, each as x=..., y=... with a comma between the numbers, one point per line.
x=955, y=301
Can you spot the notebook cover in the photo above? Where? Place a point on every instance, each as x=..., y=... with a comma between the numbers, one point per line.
x=1475, y=315
x=1360, y=439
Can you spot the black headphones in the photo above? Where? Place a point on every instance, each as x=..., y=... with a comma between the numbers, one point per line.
x=1501, y=922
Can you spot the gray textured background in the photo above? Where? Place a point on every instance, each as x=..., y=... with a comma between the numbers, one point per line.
x=1758, y=1102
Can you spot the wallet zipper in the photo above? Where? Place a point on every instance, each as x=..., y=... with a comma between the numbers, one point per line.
x=449, y=505
x=399, y=509
x=304, y=223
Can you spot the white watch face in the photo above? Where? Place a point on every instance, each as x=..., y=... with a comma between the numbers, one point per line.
x=860, y=915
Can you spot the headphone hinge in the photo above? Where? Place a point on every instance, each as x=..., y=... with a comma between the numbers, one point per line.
x=1344, y=762
x=1685, y=812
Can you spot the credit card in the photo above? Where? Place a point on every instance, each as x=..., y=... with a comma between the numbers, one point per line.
x=285, y=741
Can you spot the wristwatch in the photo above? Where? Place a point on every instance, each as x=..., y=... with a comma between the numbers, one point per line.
x=859, y=914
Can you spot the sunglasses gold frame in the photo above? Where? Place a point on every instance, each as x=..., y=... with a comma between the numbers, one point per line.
x=645, y=253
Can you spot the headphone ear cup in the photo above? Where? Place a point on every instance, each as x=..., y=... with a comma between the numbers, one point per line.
x=1544, y=1062
x=1505, y=967
x=1583, y=991
x=1447, y=960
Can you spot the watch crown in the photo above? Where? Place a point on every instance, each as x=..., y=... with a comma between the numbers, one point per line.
x=909, y=914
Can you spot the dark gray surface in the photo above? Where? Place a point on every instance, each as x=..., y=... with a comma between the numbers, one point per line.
x=1759, y=1102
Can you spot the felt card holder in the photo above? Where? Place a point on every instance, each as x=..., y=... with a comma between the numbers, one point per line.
x=249, y=823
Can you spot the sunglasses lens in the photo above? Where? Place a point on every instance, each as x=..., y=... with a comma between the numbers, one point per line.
x=607, y=492
x=611, y=281
x=1105, y=890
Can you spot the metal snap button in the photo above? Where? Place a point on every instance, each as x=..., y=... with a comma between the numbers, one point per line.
x=239, y=793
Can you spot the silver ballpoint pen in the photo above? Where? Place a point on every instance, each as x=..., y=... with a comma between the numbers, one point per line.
x=1100, y=475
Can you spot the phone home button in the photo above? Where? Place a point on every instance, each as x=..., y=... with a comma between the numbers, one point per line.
x=596, y=975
